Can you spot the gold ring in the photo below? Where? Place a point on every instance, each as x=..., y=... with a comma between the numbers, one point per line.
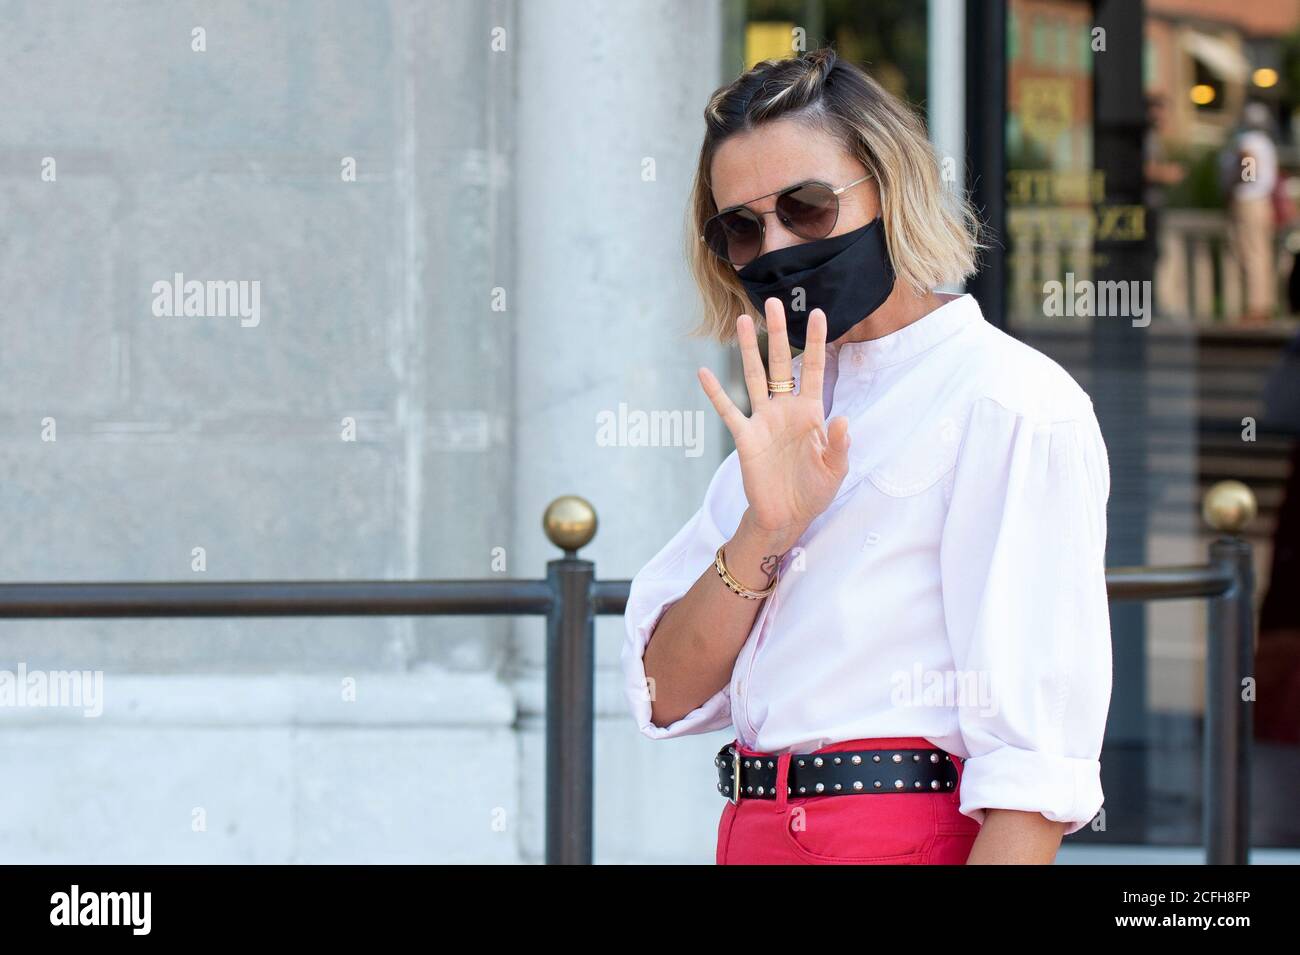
x=784, y=386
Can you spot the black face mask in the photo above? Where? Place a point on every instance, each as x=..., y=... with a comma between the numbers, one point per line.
x=847, y=276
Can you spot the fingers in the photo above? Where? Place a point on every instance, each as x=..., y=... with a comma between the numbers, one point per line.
x=731, y=415
x=778, y=345
x=836, y=454
x=755, y=376
x=813, y=369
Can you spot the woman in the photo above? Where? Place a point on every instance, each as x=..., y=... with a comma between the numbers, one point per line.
x=894, y=591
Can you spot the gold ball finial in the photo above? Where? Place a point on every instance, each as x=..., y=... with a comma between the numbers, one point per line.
x=1229, y=506
x=570, y=522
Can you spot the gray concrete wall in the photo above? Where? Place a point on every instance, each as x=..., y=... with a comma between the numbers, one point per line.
x=477, y=170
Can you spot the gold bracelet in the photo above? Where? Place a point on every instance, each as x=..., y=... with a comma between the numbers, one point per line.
x=735, y=585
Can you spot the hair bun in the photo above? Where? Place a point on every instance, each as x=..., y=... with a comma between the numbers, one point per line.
x=824, y=60
x=819, y=64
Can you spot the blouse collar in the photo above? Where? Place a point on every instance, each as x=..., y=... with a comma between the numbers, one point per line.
x=908, y=341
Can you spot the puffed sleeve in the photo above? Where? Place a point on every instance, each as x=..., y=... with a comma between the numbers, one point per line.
x=1023, y=571
x=665, y=580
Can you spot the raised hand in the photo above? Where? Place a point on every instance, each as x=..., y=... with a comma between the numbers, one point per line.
x=792, y=460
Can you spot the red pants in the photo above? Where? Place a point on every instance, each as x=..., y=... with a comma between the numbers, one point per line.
x=901, y=828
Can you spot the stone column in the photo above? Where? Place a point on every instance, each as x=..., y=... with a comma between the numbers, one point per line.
x=609, y=122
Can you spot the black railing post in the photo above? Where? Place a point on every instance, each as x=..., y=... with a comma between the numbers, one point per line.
x=1229, y=662
x=570, y=709
x=570, y=522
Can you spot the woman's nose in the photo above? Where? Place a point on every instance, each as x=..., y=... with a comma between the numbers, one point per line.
x=776, y=235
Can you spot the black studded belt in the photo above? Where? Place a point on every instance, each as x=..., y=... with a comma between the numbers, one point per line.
x=850, y=773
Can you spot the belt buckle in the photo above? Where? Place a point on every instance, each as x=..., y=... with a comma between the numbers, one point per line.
x=735, y=776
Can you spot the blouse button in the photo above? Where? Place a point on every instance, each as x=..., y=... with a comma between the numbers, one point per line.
x=857, y=358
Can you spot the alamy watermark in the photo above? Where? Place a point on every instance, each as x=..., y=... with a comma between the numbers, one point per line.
x=53, y=688
x=970, y=689
x=627, y=428
x=128, y=909
x=1085, y=297
x=230, y=298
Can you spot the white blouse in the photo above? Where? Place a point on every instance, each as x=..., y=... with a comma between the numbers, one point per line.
x=953, y=590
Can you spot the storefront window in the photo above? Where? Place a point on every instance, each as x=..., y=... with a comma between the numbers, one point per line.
x=1205, y=390
x=1196, y=388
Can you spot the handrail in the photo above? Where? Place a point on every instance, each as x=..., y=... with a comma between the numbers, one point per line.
x=570, y=597
x=274, y=598
x=468, y=597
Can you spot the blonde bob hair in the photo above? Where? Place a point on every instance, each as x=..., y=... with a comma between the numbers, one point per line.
x=932, y=232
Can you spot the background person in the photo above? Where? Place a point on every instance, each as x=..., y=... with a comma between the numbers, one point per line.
x=1252, y=178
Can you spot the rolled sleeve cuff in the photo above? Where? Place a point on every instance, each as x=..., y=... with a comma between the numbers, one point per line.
x=713, y=714
x=1063, y=788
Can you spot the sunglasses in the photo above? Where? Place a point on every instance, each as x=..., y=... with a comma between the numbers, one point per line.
x=808, y=209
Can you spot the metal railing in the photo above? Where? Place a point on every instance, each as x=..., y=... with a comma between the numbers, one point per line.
x=570, y=597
